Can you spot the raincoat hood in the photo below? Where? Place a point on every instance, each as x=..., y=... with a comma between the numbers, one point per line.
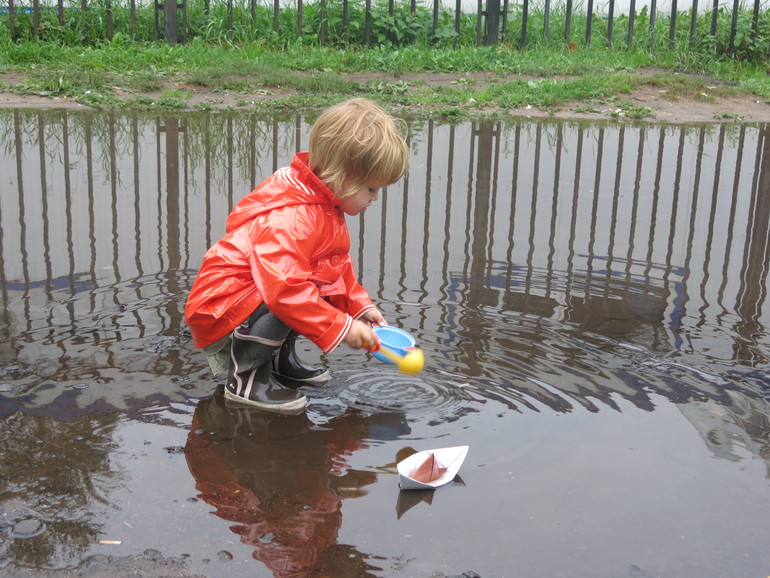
x=304, y=188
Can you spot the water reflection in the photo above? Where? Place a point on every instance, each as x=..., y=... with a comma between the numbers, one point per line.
x=542, y=266
x=55, y=475
x=281, y=481
x=649, y=236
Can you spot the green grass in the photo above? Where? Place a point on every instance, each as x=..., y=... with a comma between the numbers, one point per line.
x=253, y=59
x=543, y=77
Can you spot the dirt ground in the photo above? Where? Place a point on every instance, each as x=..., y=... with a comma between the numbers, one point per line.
x=662, y=107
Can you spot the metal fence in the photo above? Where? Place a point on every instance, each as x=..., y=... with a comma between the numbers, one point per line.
x=494, y=21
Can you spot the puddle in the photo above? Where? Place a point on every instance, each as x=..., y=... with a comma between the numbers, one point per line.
x=591, y=299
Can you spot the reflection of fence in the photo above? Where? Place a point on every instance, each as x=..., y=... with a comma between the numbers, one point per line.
x=674, y=215
x=564, y=220
x=355, y=22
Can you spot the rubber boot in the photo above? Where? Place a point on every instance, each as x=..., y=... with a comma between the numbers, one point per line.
x=250, y=378
x=297, y=373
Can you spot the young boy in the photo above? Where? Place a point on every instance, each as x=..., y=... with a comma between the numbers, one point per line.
x=283, y=267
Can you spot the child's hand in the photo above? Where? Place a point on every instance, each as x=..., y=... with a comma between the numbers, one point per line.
x=374, y=317
x=361, y=335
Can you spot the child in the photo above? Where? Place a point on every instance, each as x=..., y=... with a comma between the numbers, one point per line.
x=283, y=267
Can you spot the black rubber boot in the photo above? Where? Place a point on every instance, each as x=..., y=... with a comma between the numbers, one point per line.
x=250, y=379
x=297, y=373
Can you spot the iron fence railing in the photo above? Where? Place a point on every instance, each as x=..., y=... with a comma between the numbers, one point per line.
x=492, y=21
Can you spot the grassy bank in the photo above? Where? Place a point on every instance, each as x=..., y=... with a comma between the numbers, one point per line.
x=128, y=74
x=393, y=58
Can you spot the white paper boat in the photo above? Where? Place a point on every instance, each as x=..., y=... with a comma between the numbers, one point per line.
x=449, y=458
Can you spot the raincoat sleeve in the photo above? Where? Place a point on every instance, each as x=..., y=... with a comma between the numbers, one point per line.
x=282, y=243
x=355, y=301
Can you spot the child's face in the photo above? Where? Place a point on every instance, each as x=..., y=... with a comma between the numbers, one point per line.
x=357, y=200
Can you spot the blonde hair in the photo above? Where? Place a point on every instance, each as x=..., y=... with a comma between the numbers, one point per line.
x=354, y=143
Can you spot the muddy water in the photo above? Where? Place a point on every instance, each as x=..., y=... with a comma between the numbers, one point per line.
x=591, y=300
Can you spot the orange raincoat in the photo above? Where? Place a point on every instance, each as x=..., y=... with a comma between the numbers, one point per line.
x=287, y=245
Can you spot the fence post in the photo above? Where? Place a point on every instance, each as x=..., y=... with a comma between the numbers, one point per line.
x=631, y=16
x=170, y=10
x=322, y=30
x=436, y=6
x=157, y=18
x=693, y=21
x=12, y=19
x=504, y=14
x=230, y=18
x=84, y=10
x=108, y=18
x=653, y=14
x=479, y=15
x=299, y=18
x=458, y=8
x=492, y=22
x=345, y=22
x=183, y=7
x=170, y=24
x=672, y=26
x=733, y=27
x=276, y=12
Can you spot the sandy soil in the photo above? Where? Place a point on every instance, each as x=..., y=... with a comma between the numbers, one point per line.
x=663, y=108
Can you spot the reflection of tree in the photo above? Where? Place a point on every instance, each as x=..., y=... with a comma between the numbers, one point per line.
x=281, y=480
x=52, y=471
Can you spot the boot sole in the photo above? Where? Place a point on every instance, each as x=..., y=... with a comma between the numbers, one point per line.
x=293, y=382
x=288, y=408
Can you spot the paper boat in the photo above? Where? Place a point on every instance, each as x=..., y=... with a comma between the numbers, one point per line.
x=434, y=467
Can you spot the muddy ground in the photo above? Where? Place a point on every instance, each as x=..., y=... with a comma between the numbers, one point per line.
x=706, y=107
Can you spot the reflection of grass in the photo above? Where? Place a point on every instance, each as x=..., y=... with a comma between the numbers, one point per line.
x=47, y=464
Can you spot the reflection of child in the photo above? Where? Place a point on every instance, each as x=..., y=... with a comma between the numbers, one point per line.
x=279, y=481
x=283, y=267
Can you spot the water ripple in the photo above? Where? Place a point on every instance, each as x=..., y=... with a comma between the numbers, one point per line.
x=430, y=396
